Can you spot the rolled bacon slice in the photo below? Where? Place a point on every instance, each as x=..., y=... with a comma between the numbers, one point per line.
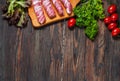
x=49, y=9
x=67, y=5
x=37, y=5
x=58, y=6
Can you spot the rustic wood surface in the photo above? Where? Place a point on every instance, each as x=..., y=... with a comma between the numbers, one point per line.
x=54, y=53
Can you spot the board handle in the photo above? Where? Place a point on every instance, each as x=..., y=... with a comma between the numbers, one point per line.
x=35, y=22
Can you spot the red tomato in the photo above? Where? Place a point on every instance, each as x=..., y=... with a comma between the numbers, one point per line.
x=71, y=22
x=107, y=20
x=114, y=17
x=112, y=8
x=112, y=26
x=115, y=32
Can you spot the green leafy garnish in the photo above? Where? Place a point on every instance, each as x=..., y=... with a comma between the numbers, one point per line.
x=87, y=14
x=15, y=12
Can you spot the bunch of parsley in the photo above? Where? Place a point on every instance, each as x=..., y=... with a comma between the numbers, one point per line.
x=87, y=14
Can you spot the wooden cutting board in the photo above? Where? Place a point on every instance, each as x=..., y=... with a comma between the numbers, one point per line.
x=35, y=22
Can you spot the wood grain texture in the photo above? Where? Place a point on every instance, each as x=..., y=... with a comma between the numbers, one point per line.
x=55, y=53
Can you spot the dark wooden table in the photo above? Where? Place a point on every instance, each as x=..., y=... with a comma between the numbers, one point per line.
x=54, y=53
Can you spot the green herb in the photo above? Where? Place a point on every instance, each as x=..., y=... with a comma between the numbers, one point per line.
x=15, y=12
x=87, y=14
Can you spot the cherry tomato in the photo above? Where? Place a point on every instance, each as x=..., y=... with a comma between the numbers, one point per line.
x=112, y=8
x=115, y=32
x=114, y=17
x=107, y=20
x=112, y=26
x=71, y=22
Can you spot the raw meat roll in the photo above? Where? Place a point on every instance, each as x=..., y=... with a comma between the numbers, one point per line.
x=49, y=9
x=67, y=5
x=37, y=5
x=58, y=6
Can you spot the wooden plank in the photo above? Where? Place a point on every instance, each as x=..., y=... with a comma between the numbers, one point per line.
x=56, y=52
x=67, y=54
x=112, y=55
x=79, y=52
x=1, y=47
